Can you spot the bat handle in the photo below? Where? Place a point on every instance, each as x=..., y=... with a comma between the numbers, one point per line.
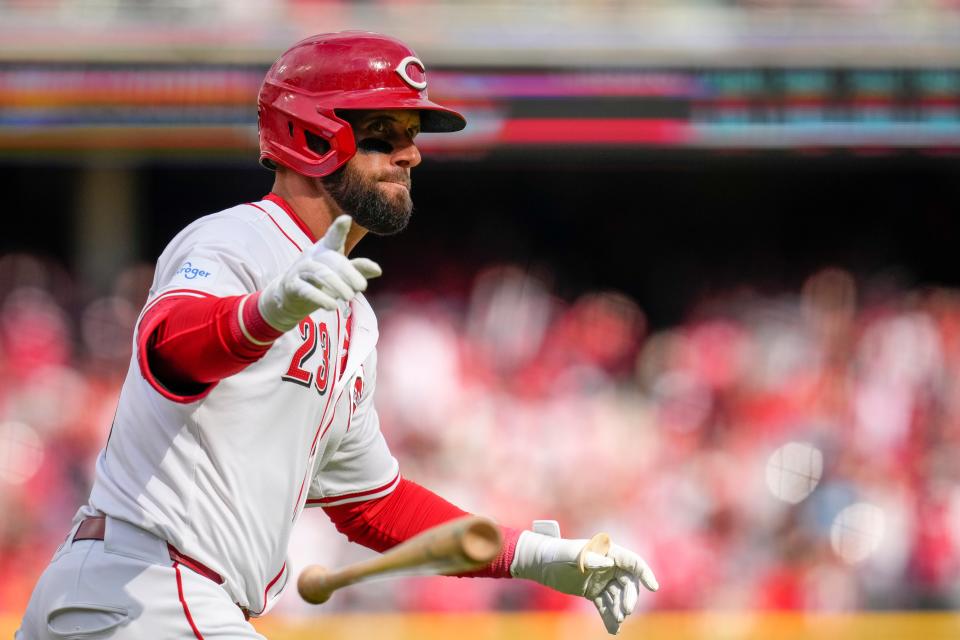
x=456, y=546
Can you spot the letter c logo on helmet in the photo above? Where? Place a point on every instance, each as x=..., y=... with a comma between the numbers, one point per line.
x=412, y=63
x=313, y=80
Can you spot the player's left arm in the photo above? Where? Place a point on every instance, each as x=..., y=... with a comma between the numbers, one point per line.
x=612, y=581
x=360, y=488
x=361, y=491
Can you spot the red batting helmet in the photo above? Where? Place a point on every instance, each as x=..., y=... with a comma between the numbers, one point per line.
x=299, y=98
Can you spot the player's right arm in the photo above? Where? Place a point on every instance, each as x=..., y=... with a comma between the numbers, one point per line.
x=187, y=343
x=321, y=278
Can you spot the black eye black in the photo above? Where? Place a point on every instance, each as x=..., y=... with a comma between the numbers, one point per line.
x=374, y=145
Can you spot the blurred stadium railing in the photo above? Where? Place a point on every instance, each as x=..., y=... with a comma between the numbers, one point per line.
x=176, y=77
x=496, y=32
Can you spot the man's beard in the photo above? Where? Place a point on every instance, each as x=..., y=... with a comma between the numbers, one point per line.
x=376, y=211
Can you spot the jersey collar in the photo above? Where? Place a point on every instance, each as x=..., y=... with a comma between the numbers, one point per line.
x=283, y=204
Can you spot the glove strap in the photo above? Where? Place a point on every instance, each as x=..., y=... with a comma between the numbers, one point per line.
x=547, y=527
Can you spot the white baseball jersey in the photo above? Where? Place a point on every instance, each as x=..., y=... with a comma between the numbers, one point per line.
x=224, y=475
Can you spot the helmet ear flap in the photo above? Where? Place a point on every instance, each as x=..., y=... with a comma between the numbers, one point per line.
x=296, y=134
x=333, y=144
x=315, y=143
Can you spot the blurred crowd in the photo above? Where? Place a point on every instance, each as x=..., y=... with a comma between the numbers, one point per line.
x=793, y=450
x=283, y=11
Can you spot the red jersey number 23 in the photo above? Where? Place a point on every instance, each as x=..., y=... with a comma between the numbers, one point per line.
x=311, y=334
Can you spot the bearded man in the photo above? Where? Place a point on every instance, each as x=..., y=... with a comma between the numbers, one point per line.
x=249, y=396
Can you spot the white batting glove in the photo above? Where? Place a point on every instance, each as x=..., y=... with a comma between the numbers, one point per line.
x=320, y=278
x=612, y=582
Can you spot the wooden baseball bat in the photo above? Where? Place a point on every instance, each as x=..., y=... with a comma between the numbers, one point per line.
x=464, y=544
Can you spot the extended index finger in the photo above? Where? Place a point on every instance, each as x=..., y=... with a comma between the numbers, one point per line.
x=335, y=238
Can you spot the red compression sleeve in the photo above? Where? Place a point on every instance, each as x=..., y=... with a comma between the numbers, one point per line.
x=406, y=511
x=188, y=344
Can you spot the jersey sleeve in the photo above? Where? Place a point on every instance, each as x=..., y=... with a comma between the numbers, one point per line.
x=362, y=467
x=214, y=262
x=220, y=255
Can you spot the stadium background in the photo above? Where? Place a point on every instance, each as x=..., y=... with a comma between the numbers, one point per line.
x=689, y=277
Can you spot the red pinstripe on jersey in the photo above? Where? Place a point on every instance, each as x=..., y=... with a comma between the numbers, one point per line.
x=280, y=202
x=349, y=497
x=346, y=341
x=323, y=415
x=313, y=450
x=292, y=241
x=268, y=587
x=320, y=433
x=183, y=602
x=320, y=428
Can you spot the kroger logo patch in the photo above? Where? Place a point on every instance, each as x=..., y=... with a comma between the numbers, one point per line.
x=194, y=270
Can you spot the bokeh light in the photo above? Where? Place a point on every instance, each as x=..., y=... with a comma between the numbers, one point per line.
x=794, y=470
x=857, y=531
x=21, y=452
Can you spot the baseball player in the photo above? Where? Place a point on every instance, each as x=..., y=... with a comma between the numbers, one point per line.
x=249, y=395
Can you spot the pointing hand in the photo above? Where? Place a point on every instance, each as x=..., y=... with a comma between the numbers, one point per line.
x=321, y=278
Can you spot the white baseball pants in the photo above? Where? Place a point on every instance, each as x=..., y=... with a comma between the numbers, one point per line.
x=126, y=587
